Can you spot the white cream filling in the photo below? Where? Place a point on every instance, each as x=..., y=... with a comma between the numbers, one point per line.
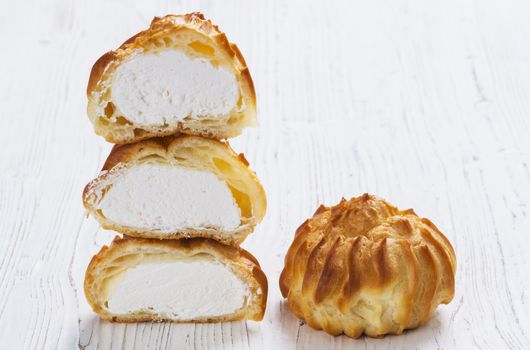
x=168, y=198
x=157, y=89
x=181, y=290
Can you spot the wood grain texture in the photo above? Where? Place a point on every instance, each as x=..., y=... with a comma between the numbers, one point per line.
x=424, y=103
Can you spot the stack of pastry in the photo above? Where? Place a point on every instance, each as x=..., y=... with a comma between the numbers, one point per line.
x=182, y=199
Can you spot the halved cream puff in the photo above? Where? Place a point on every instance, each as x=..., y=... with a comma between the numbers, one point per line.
x=180, y=75
x=178, y=186
x=186, y=280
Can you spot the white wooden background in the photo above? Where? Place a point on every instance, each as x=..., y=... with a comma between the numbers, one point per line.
x=425, y=103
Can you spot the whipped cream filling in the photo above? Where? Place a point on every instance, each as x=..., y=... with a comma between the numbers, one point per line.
x=181, y=290
x=164, y=88
x=169, y=198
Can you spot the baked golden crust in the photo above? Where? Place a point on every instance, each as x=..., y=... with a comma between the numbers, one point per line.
x=125, y=253
x=363, y=266
x=192, y=152
x=171, y=32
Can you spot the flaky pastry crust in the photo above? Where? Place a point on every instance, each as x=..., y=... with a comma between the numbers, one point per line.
x=363, y=266
x=194, y=36
x=125, y=253
x=192, y=152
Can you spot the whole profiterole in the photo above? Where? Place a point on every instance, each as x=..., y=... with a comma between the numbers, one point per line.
x=364, y=266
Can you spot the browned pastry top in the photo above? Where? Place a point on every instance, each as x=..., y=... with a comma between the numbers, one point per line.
x=363, y=266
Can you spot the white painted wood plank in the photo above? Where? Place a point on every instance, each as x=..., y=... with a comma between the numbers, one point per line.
x=423, y=103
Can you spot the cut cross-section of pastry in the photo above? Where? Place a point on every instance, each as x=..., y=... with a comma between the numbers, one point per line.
x=187, y=280
x=180, y=75
x=177, y=186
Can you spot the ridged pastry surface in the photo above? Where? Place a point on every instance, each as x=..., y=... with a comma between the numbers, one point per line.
x=364, y=266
